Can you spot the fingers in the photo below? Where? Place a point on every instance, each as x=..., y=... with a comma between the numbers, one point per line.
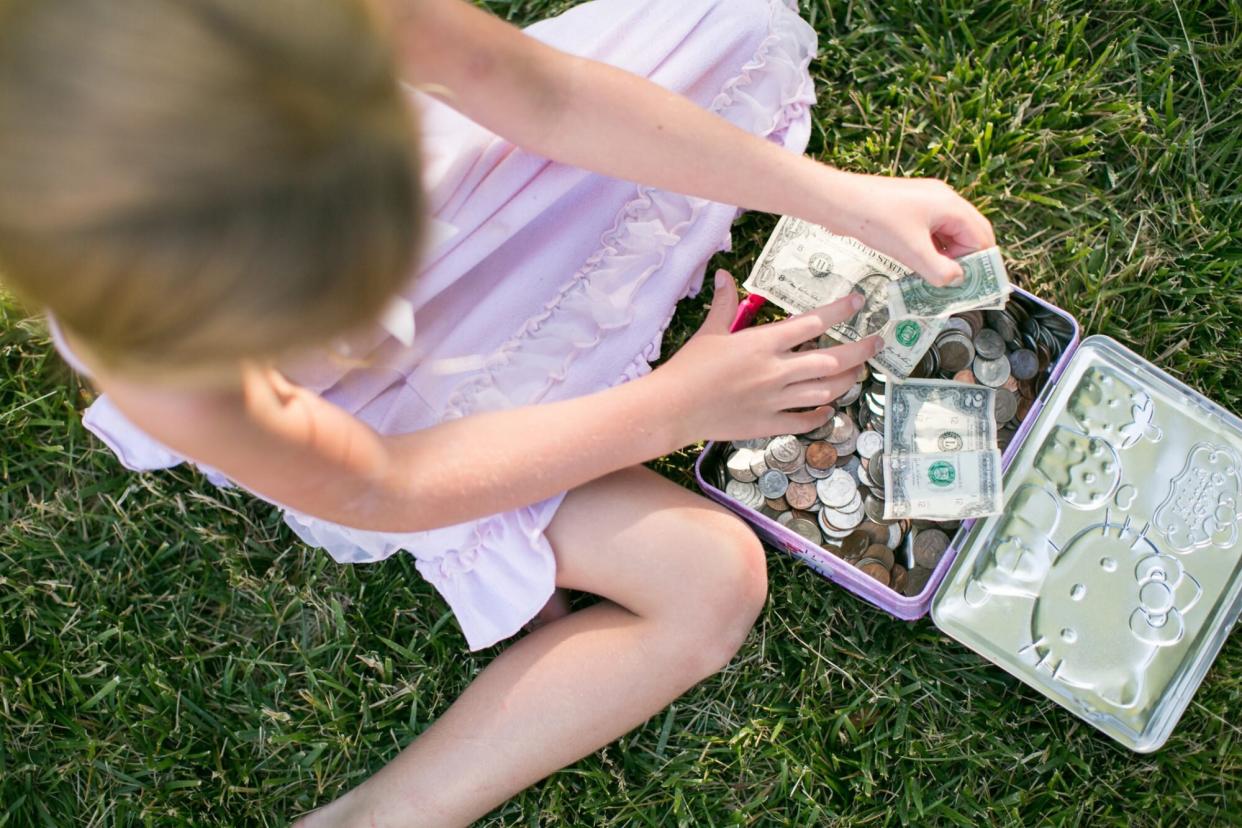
x=800, y=422
x=828, y=362
x=724, y=305
x=817, y=392
x=806, y=326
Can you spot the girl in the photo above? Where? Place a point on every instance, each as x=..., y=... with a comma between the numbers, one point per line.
x=199, y=191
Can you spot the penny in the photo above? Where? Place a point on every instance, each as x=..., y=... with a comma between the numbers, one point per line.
x=929, y=545
x=916, y=579
x=965, y=375
x=1024, y=363
x=739, y=463
x=807, y=529
x=881, y=553
x=1006, y=405
x=989, y=344
x=876, y=570
x=869, y=442
x=777, y=504
x=821, y=455
x=899, y=579
x=837, y=489
x=801, y=495
x=991, y=372
x=855, y=544
x=773, y=483
x=875, y=531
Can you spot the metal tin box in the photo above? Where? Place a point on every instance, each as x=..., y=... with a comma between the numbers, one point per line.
x=1113, y=576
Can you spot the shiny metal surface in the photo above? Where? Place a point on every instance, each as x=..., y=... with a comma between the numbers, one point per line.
x=1115, y=573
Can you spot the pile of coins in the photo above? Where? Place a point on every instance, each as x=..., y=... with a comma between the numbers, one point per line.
x=1009, y=350
x=827, y=485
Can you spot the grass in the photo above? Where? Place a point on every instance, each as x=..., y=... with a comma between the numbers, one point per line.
x=170, y=655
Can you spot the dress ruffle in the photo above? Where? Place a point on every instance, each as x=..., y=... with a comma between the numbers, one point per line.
x=599, y=297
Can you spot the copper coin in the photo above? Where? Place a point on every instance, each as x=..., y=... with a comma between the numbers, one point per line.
x=777, y=504
x=965, y=375
x=916, y=579
x=801, y=495
x=821, y=455
x=876, y=570
x=1010, y=384
x=899, y=578
x=855, y=545
x=875, y=531
x=881, y=553
x=929, y=545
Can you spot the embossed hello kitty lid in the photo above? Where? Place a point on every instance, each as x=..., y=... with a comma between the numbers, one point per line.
x=1114, y=575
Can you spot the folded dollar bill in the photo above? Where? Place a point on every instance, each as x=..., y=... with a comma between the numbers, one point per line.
x=940, y=450
x=805, y=266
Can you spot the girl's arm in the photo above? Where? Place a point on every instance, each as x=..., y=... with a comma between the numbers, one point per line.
x=294, y=448
x=592, y=115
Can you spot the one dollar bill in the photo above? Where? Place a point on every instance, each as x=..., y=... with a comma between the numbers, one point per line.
x=940, y=450
x=985, y=286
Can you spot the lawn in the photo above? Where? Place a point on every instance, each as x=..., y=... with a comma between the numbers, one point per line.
x=169, y=654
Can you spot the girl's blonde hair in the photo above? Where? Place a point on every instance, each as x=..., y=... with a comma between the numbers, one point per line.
x=191, y=183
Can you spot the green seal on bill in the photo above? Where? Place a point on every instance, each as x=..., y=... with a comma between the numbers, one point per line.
x=941, y=473
x=908, y=332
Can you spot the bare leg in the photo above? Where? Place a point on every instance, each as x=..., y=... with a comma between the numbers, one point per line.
x=684, y=580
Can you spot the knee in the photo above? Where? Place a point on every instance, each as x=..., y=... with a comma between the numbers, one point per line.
x=722, y=605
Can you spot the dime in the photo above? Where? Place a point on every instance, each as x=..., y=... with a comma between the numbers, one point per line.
x=989, y=345
x=881, y=553
x=773, y=483
x=739, y=463
x=801, y=495
x=991, y=372
x=869, y=442
x=1006, y=405
x=820, y=455
x=961, y=325
x=837, y=489
x=875, y=569
x=929, y=545
x=1024, y=363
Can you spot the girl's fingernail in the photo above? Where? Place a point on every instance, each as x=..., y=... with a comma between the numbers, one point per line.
x=721, y=278
x=856, y=301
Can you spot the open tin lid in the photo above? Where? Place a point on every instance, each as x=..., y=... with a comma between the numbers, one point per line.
x=1114, y=575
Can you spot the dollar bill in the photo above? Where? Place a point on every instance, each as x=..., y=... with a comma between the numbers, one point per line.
x=985, y=286
x=804, y=266
x=940, y=447
x=942, y=486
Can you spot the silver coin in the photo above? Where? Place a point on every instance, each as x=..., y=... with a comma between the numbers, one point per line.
x=989, y=345
x=874, y=508
x=783, y=449
x=869, y=442
x=822, y=432
x=837, y=489
x=960, y=325
x=851, y=396
x=818, y=474
x=756, y=443
x=802, y=474
x=876, y=468
x=855, y=504
x=759, y=463
x=1006, y=403
x=773, y=483
x=738, y=465
x=843, y=428
x=848, y=445
x=745, y=493
x=956, y=351
x=828, y=529
x=784, y=518
x=894, y=535
x=864, y=475
x=807, y=529
x=851, y=464
x=1024, y=364
x=839, y=520
x=991, y=372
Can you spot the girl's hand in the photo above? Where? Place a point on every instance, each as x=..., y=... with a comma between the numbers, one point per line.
x=738, y=386
x=921, y=222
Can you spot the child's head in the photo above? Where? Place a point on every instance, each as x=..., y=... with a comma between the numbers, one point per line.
x=188, y=183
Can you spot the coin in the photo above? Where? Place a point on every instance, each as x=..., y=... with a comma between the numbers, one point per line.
x=738, y=465
x=776, y=504
x=758, y=464
x=875, y=531
x=916, y=579
x=806, y=529
x=851, y=396
x=1006, y=405
x=821, y=455
x=855, y=544
x=875, y=569
x=881, y=553
x=849, y=444
x=801, y=474
x=773, y=483
x=745, y=493
x=1024, y=363
x=991, y=372
x=898, y=579
x=843, y=428
x=929, y=545
x=841, y=520
x=956, y=351
x=877, y=469
x=966, y=376
x=869, y=442
x=837, y=489
x=784, y=449
x=989, y=345
x=874, y=507
x=801, y=495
